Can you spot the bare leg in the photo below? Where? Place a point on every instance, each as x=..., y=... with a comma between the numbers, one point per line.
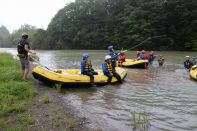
x=26, y=72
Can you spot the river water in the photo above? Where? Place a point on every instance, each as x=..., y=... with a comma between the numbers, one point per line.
x=165, y=93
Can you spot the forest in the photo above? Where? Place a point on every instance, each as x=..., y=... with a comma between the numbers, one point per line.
x=95, y=24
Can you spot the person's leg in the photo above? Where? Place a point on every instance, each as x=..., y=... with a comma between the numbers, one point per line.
x=90, y=74
x=109, y=78
x=117, y=77
x=95, y=73
x=23, y=68
x=26, y=71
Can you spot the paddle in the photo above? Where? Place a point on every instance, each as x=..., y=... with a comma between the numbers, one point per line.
x=141, y=43
x=35, y=60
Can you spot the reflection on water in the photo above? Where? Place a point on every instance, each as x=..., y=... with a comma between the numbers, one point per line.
x=165, y=93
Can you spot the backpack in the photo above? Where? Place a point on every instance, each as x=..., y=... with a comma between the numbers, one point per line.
x=21, y=48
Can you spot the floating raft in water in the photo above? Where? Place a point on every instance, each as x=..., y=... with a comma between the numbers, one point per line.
x=193, y=72
x=130, y=63
x=72, y=76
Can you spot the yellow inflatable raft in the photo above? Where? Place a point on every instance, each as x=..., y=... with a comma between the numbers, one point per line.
x=131, y=63
x=72, y=76
x=193, y=72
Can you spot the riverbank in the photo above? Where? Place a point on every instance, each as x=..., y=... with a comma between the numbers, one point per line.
x=31, y=105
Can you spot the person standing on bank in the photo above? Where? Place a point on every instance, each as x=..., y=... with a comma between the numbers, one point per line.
x=23, y=49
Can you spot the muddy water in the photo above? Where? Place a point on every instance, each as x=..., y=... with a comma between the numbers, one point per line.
x=165, y=93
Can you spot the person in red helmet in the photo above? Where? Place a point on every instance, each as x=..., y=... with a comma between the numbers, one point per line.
x=143, y=55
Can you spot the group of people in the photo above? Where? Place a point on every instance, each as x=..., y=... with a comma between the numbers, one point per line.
x=141, y=55
x=189, y=63
x=108, y=67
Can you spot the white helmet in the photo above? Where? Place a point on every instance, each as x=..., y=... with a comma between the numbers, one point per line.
x=107, y=57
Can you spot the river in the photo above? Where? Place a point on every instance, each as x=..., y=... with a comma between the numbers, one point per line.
x=165, y=93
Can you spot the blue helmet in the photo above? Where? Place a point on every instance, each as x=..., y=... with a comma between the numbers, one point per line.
x=110, y=47
x=85, y=56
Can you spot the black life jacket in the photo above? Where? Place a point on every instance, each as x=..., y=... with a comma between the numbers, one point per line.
x=188, y=64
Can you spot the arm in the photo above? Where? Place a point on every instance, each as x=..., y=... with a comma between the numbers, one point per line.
x=27, y=49
x=82, y=66
x=104, y=68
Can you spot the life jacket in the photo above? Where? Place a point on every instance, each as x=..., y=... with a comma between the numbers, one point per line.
x=150, y=58
x=122, y=57
x=144, y=56
x=109, y=67
x=88, y=66
x=188, y=64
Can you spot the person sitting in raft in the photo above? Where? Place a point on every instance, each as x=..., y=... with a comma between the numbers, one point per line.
x=161, y=60
x=194, y=61
x=122, y=58
x=138, y=55
x=108, y=70
x=86, y=68
x=188, y=64
x=151, y=58
x=143, y=55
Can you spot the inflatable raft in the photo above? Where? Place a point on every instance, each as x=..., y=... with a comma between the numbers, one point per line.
x=72, y=76
x=193, y=72
x=130, y=63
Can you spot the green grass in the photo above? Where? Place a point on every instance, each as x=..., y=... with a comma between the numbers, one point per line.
x=14, y=93
x=25, y=118
x=140, y=120
x=47, y=98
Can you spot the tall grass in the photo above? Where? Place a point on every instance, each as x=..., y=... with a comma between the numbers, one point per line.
x=14, y=93
x=140, y=120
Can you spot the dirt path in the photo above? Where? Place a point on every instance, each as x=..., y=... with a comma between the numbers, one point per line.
x=51, y=113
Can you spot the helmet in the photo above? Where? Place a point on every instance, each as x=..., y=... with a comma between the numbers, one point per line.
x=193, y=58
x=85, y=56
x=25, y=35
x=187, y=57
x=107, y=57
x=110, y=48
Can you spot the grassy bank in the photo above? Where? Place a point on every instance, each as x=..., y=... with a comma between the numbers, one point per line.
x=15, y=95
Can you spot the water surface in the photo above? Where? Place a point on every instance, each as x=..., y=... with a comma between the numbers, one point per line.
x=165, y=93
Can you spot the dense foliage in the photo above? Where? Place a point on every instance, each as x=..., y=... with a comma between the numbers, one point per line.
x=94, y=24
x=4, y=36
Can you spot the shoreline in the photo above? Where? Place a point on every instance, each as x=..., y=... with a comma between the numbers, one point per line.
x=32, y=105
x=54, y=115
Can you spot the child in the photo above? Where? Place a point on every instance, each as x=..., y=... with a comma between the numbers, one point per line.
x=86, y=68
x=161, y=60
x=122, y=58
x=108, y=70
